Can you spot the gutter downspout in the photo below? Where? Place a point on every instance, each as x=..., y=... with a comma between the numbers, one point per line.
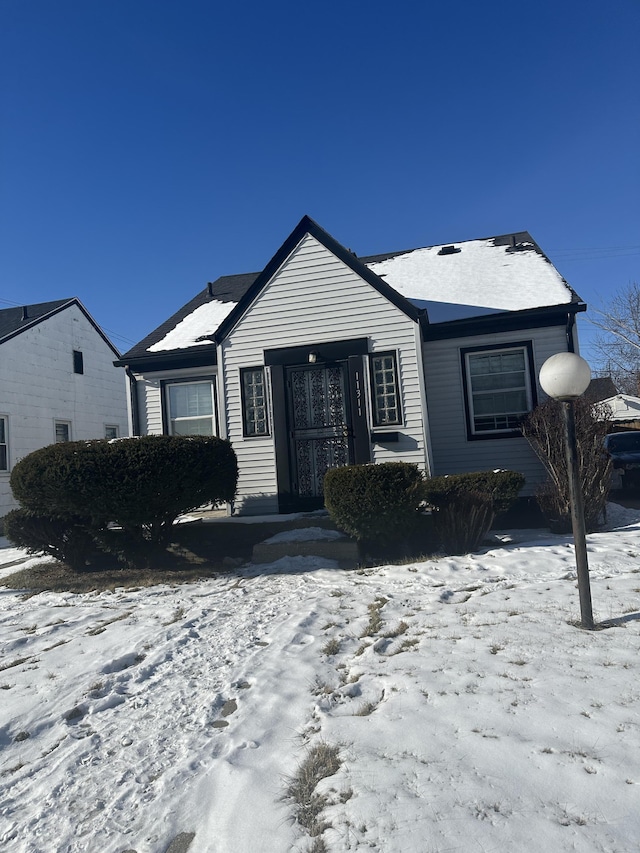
x=571, y=323
x=133, y=401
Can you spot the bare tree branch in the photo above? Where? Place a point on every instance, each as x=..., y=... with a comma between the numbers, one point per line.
x=618, y=343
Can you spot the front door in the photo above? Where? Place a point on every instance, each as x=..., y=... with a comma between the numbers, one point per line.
x=319, y=427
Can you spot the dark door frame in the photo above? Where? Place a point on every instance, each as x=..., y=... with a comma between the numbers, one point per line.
x=350, y=352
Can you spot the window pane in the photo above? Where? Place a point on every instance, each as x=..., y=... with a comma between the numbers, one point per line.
x=192, y=426
x=499, y=395
x=62, y=432
x=255, y=402
x=191, y=408
x=111, y=432
x=3, y=445
x=386, y=402
x=190, y=399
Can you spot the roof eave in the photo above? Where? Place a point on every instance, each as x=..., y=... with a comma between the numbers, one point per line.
x=548, y=315
x=201, y=356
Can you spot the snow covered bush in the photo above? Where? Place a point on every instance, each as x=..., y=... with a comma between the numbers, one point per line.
x=376, y=504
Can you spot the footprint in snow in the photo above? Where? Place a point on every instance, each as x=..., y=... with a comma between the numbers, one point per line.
x=229, y=707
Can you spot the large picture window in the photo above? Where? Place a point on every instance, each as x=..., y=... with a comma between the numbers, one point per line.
x=190, y=407
x=499, y=389
x=4, y=443
x=385, y=392
x=254, y=401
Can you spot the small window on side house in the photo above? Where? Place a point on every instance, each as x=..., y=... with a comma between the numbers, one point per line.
x=78, y=362
x=498, y=389
x=111, y=432
x=191, y=408
x=254, y=401
x=4, y=443
x=63, y=431
x=385, y=389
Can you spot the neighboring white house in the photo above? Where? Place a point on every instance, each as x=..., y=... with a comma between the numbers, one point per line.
x=623, y=408
x=323, y=358
x=57, y=383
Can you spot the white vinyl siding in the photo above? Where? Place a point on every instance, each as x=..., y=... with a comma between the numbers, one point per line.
x=39, y=386
x=314, y=298
x=453, y=451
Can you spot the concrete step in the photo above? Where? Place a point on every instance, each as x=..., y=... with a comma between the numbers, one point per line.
x=314, y=541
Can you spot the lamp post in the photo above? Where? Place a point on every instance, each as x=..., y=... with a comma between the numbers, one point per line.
x=565, y=377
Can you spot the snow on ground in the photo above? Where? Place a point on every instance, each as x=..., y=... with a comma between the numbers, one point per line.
x=472, y=715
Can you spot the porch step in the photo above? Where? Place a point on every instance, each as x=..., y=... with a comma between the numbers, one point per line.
x=308, y=542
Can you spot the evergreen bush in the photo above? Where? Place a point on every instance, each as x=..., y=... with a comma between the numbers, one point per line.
x=501, y=486
x=465, y=505
x=376, y=504
x=141, y=484
x=67, y=540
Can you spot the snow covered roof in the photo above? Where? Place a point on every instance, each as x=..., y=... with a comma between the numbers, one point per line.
x=507, y=273
x=196, y=327
x=469, y=279
x=623, y=407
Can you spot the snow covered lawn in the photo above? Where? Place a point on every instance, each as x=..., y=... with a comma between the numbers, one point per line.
x=467, y=711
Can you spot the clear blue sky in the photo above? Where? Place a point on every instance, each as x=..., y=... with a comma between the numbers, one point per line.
x=149, y=146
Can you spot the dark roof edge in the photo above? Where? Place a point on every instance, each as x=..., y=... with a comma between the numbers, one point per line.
x=65, y=304
x=549, y=315
x=308, y=226
x=205, y=355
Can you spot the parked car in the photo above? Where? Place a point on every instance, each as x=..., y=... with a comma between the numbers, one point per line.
x=624, y=450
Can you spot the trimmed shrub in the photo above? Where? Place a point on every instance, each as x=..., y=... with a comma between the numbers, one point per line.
x=465, y=505
x=67, y=540
x=501, y=486
x=142, y=484
x=377, y=504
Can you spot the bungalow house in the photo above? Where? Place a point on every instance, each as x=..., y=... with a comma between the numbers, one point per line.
x=57, y=383
x=429, y=355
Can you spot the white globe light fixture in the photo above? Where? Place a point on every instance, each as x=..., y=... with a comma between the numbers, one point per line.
x=565, y=377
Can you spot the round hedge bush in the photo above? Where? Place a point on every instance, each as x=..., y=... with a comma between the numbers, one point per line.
x=375, y=503
x=142, y=484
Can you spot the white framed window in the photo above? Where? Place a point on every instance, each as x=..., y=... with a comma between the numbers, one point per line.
x=500, y=389
x=385, y=389
x=62, y=431
x=111, y=431
x=191, y=407
x=255, y=416
x=4, y=443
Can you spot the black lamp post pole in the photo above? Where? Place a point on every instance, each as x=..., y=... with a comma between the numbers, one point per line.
x=577, y=516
